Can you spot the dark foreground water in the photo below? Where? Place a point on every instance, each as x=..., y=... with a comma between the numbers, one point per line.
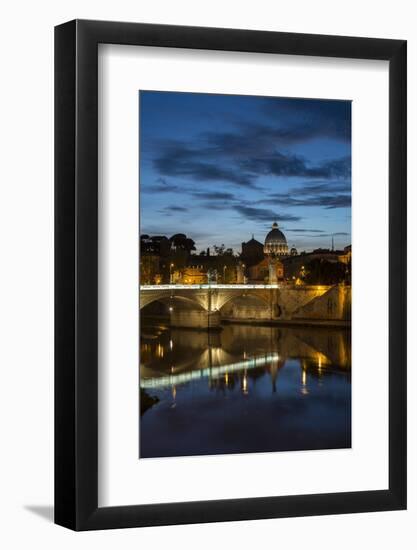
x=245, y=389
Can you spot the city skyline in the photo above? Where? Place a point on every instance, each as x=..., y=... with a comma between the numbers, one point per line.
x=220, y=168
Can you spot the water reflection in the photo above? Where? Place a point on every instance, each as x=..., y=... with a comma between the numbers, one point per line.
x=244, y=389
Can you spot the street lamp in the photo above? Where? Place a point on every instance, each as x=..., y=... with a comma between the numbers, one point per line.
x=171, y=273
x=224, y=273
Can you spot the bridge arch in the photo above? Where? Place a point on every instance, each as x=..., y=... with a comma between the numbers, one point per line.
x=248, y=306
x=171, y=299
x=228, y=298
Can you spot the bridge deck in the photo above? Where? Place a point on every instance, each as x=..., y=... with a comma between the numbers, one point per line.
x=207, y=287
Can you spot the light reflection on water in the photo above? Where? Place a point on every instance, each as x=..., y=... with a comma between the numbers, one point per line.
x=244, y=389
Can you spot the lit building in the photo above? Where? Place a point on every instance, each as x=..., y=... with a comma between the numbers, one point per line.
x=267, y=270
x=262, y=262
x=190, y=276
x=275, y=242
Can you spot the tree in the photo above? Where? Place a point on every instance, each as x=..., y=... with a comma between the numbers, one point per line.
x=224, y=262
x=149, y=267
x=221, y=250
x=323, y=272
x=182, y=242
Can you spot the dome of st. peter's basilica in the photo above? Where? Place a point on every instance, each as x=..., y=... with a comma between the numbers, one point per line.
x=275, y=242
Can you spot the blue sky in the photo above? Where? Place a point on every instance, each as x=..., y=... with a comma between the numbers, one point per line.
x=223, y=167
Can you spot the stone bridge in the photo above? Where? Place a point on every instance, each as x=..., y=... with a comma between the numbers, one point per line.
x=204, y=306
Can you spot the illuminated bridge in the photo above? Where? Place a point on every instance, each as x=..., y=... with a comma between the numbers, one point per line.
x=204, y=306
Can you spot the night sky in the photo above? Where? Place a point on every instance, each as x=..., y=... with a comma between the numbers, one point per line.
x=223, y=167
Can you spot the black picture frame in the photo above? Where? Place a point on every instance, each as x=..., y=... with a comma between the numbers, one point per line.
x=76, y=273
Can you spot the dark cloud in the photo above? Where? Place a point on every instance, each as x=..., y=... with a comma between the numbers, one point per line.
x=329, y=195
x=304, y=230
x=290, y=121
x=341, y=186
x=253, y=139
x=338, y=234
x=306, y=119
x=239, y=159
x=170, y=210
x=280, y=164
x=263, y=214
x=214, y=196
x=176, y=208
x=337, y=168
x=160, y=186
x=325, y=201
x=179, y=160
x=216, y=205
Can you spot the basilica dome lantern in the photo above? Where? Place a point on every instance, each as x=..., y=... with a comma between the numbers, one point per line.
x=275, y=242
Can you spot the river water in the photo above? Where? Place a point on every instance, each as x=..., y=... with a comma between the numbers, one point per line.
x=243, y=389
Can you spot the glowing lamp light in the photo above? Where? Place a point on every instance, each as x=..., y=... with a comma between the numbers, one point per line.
x=303, y=377
x=245, y=384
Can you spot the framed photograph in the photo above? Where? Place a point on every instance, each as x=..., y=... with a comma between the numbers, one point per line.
x=230, y=244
